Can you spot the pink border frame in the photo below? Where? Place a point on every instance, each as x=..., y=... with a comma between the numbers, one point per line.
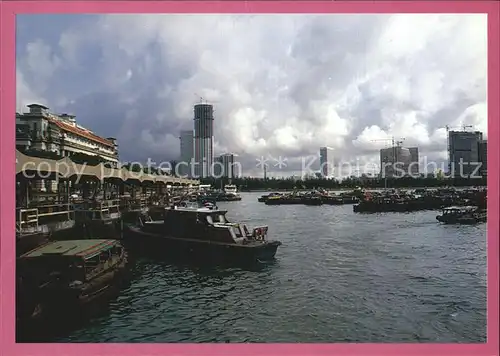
x=7, y=106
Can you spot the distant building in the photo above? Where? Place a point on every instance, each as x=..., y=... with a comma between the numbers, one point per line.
x=483, y=157
x=224, y=166
x=463, y=152
x=187, y=152
x=394, y=162
x=203, y=139
x=325, y=161
x=414, y=162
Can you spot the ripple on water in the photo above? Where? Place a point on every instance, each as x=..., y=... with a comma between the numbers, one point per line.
x=338, y=277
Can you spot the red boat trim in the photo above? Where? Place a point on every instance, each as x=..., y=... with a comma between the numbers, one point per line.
x=96, y=248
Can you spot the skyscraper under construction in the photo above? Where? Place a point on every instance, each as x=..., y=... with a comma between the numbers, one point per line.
x=203, y=139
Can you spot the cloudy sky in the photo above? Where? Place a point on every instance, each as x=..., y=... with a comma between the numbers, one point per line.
x=281, y=85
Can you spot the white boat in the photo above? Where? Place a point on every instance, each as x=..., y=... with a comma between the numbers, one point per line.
x=230, y=193
x=231, y=189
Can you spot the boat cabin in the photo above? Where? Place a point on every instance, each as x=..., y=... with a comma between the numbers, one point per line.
x=459, y=210
x=204, y=187
x=230, y=189
x=72, y=261
x=204, y=223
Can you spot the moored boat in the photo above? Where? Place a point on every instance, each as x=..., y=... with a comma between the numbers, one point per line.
x=63, y=276
x=202, y=232
x=263, y=198
x=467, y=215
x=230, y=193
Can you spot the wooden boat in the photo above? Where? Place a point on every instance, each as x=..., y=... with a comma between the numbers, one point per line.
x=202, y=231
x=284, y=200
x=462, y=215
x=63, y=276
x=263, y=198
x=311, y=199
x=332, y=199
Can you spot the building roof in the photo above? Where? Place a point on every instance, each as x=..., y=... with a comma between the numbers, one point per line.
x=38, y=106
x=80, y=248
x=67, y=168
x=81, y=132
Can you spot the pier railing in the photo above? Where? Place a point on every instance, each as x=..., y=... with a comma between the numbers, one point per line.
x=133, y=204
x=99, y=210
x=31, y=218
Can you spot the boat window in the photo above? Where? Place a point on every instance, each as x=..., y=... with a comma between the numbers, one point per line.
x=222, y=218
x=104, y=256
x=210, y=220
x=116, y=250
x=91, y=263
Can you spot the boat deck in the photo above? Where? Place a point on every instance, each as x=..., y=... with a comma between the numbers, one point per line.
x=69, y=248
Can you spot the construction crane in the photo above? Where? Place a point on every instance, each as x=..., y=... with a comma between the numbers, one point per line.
x=395, y=143
x=205, y=101
x=463, y=127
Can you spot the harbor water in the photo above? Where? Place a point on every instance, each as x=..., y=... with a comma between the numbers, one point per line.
x=338, y=277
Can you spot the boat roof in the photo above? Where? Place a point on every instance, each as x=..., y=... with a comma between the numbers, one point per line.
x=77, y=248
x=198, y=210
x=468, y=207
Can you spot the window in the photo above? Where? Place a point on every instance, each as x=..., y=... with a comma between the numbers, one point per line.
x=105, y=255
x=91, y=263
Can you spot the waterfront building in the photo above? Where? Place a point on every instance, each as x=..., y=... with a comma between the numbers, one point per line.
x=41, y=130
x=463, y=152
x=187, y=152
x=325, y=161
x=203, y=139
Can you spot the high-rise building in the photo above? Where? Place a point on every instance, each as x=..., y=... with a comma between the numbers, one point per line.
x=186, y=156
x=394, y=161
x=224, y=166
x=483, y=157
x=463, y=151
x=203, y=139
x=325, y=161
x=414, y=161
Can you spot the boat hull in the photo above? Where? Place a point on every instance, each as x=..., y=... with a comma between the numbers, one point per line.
x=312, y=202
x=461, y=220
x=28, y=242
x=36, y=304
x=137, y=239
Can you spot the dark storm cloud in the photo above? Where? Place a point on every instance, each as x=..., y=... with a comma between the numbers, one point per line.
x=282, y=85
